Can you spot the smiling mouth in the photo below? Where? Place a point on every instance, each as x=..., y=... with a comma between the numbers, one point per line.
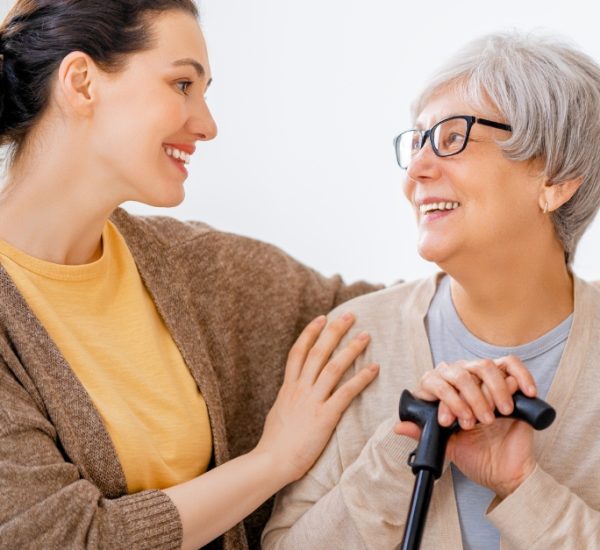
x=177, y=154
x=432, y=207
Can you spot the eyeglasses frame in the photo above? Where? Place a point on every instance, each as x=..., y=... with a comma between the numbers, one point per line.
x=470, y=120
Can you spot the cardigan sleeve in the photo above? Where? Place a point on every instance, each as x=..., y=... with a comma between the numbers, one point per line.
x=542, y=513
x=266, y=266
x=352, y=508
x=255, y=299
x=45, y=501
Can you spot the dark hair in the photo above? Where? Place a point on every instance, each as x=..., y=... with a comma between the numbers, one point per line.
x=36, y=35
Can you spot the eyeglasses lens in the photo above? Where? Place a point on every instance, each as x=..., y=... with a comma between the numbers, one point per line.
x=408, y=145
x=449, y=136
x=448, y=139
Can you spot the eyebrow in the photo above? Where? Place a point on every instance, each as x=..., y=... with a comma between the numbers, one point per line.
x=197, y=66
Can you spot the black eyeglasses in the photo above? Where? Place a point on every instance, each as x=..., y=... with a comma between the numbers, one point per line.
x=448, y=137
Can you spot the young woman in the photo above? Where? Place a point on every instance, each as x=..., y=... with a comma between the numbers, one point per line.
x=138, y=357
x=502, y=172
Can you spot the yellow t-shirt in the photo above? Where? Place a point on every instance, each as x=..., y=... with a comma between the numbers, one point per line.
x=105, y=324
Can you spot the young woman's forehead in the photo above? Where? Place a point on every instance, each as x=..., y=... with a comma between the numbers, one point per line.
x=177, y=35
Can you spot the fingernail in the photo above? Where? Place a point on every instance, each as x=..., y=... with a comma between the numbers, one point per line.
x=362, y=336
x=488, y=418
x=445, y=419
x=531, y=390
x=347, y=316
x=506, y=408
x=320, y=319
x=373, y=368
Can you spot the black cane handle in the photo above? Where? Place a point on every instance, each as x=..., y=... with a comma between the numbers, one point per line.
x=431, y=449
x=536, y=412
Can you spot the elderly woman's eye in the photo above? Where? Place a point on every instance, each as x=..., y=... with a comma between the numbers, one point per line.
x=415, y=143
x=453, y=139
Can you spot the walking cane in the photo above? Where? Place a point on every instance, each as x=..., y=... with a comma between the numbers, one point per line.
x=427, y=460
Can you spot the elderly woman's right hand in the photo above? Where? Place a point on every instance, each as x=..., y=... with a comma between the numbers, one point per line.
x=470, y=391
x=308, y=405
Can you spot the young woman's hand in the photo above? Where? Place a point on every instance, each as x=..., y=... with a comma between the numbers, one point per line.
x=297, y=429
x=308, y=405
x=496, y=453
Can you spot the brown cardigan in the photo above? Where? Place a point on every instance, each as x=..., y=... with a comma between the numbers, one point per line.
x=233, y=305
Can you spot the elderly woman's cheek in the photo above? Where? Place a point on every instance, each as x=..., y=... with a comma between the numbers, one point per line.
x=408, y=187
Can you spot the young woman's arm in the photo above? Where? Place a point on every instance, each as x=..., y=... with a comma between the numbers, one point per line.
x=296, y=431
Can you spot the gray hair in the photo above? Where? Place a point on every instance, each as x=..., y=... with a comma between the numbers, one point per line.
x=549, y=92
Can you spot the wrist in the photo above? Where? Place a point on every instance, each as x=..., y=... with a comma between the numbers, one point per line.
x=505, y=489
x=280, y=472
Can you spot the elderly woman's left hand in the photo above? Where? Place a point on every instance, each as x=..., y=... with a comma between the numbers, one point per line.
x=496, y=453
x=498, y=456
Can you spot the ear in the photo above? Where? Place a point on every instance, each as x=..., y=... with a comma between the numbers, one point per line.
x=557, y=194
x=76, y=79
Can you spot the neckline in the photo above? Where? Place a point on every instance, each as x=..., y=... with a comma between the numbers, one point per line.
x=64, y=272
x=483, y=349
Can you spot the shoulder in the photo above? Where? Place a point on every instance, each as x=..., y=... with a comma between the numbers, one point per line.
x=595, y=285
x=202, y=251
x=162, y=229
x=586, y=302
x=586, y=292
x=174, y=234
x=392, y=302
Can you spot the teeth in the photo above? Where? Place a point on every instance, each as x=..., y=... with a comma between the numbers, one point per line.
x=178, y=154
x=425, y=208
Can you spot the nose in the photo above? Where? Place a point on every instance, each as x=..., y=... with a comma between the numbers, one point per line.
x=201, y=122
x=424, y=164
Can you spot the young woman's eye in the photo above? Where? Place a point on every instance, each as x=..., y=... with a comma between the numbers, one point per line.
x=184, y=85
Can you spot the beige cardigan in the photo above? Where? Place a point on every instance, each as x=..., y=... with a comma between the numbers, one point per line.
x=357, y=494
x=234, y=306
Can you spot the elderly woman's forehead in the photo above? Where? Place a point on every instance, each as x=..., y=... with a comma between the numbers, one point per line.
x=450, y=101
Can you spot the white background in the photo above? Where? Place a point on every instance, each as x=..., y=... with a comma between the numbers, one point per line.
x=308, y=96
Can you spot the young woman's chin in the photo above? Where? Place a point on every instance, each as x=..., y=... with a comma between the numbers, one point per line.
x=163, y=197
x=170, y=200
x=171, y=203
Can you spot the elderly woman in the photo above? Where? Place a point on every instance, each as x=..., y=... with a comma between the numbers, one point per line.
x=502, y=172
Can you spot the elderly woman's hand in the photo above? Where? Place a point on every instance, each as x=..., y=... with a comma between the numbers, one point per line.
x=470, y=391
x=496, y=453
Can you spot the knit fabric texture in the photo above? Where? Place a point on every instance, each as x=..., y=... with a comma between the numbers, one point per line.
x=234, y=307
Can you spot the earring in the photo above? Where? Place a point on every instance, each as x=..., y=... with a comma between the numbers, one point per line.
x=546, y=208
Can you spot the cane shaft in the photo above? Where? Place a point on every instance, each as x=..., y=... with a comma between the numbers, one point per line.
x=417, y=513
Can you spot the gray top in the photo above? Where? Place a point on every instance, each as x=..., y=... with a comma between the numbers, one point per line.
x=451, y=341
